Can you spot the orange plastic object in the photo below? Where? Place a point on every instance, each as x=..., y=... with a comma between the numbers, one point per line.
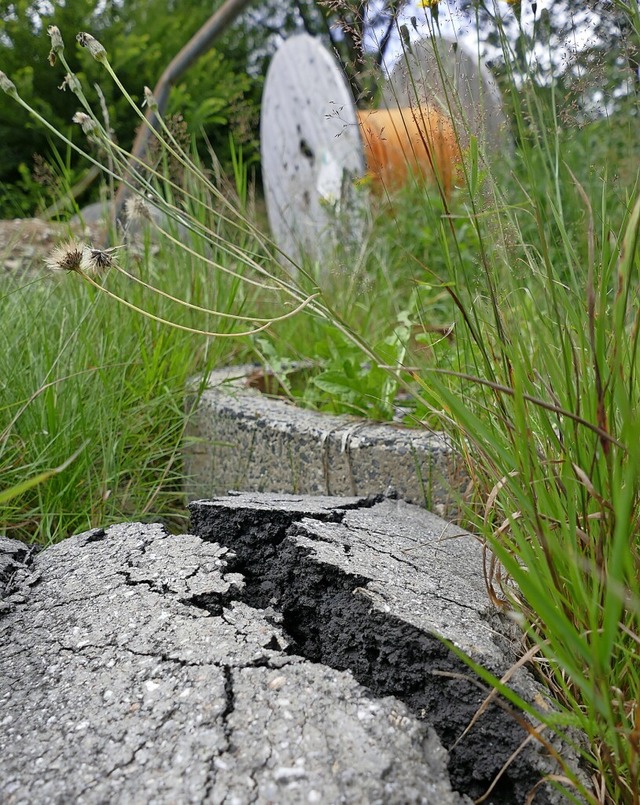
x=401, y=142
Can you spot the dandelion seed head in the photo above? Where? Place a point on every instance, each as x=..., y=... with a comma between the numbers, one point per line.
x=67, y=256
x=150, y=100
x=7, y=85
x=56, y=38
x=72, y=82
x=88, y=124
x=96, y=261
x=57, y=45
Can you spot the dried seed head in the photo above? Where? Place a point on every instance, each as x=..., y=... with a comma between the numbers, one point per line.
x=149, y=100
x=7, y=85
x=72, y=82
x=66, y=257
x=136, y=209
x=88, y=123
x=57, y=45
x=93, y=46
x=96, y=261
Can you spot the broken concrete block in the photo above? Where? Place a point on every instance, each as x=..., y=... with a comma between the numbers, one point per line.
x=15, y=567
x=374, y=587
x=239, y=438
x=288, y=650
x=132, y=671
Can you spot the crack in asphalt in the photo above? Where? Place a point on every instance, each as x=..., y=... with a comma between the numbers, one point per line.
x=327, y=616
x=325, y=613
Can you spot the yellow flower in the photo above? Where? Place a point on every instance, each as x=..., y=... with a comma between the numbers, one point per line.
x=428, y=3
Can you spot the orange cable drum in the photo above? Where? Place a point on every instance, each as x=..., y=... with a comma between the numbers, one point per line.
x=401, y=142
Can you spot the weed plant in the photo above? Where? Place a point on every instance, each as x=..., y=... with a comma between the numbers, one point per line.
x=547, y=413
x=93, y=378
x=86, y=379
x=523, y=290
x=402, y=265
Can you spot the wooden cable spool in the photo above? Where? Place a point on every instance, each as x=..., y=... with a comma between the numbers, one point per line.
x=315, y=146
x=443, y=74
x=399, y=143
x=311, y=151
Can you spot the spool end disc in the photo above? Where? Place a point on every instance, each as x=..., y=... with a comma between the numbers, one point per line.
x=311, y=151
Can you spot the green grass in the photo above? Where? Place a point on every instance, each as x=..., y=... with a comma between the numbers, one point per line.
x=547, y=414
x=509, y=313
x=84, y=376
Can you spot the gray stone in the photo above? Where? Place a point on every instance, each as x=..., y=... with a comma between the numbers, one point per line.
x=132, y=670
x=134, y=232
x=25, y=243
x=237, y=438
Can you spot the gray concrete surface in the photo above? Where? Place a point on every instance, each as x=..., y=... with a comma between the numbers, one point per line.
x=132, y=672
x=15, y=560
x=238, y=438
x=286, y=651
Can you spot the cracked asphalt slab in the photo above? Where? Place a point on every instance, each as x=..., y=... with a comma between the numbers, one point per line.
x=134, y=668
x=372, y=586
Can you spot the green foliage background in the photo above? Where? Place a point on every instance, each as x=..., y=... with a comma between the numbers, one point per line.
x=141, y=38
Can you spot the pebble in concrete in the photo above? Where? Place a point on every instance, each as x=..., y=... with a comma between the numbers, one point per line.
x=132, y=671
